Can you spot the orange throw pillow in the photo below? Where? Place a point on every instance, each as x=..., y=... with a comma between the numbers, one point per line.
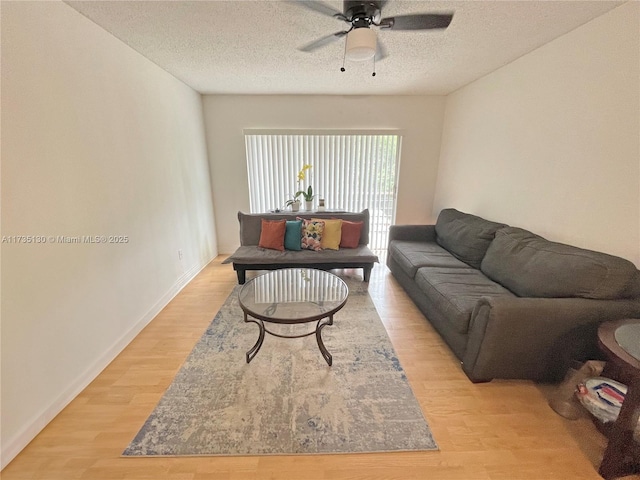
x=272, y=234
x=350, y=234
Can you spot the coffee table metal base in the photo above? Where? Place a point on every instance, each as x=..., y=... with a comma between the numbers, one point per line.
x=323, y=322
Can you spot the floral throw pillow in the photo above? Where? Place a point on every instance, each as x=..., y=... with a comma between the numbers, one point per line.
x=312, y=234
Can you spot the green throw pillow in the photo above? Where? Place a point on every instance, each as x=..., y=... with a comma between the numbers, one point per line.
x=293, y=235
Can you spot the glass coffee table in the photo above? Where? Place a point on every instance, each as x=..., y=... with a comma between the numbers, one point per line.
x=292, y=296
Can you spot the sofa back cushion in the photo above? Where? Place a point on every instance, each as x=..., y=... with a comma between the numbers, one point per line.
x=465, y=236
x=531, y=266
x=251, y=223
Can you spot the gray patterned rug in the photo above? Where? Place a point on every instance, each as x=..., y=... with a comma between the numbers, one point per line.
x=288, y=400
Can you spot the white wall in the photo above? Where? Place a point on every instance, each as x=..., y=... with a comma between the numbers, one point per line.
x=419, y=118
x=551, y=142
x=96, y=140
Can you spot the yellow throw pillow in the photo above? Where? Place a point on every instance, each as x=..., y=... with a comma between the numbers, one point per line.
x=332, y=233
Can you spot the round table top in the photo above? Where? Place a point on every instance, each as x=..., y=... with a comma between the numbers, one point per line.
x=293, y=295
x=620, y=339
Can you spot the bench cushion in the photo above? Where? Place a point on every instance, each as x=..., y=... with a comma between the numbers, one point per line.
x=254, y=255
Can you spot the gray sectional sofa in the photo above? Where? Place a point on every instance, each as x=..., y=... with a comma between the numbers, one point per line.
x=249, y=256
x=510, y=304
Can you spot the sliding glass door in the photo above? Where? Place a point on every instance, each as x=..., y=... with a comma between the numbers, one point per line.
x=350, y=171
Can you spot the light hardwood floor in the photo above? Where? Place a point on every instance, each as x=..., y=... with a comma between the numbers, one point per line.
x=498, y=430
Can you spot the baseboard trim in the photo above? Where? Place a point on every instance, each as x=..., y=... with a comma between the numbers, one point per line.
x=10, y=449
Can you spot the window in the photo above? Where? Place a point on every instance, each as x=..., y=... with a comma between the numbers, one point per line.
x=351, y=171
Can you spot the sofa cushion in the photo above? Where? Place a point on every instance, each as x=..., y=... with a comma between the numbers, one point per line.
x=455, y=292
x=466, y=236
x=532, y=266
x=410, y=256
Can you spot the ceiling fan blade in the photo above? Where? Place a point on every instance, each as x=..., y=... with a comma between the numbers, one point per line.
x=320, y=7
x=321, y=42
x=426, y=21
x=381, y=51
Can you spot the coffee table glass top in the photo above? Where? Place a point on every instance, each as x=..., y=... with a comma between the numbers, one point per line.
x=628, y=337
x=293, y=295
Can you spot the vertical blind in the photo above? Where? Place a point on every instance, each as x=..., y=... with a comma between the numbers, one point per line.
x=298, y=285
x=351, y=172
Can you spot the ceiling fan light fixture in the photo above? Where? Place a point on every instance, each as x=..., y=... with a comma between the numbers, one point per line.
x=361, y=44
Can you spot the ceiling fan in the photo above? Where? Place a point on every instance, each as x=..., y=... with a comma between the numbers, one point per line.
x=362, y=42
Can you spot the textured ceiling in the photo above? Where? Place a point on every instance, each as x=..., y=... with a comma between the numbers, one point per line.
x=250, y=47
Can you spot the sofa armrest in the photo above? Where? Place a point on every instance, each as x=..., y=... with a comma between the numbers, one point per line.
x=536, y=338
x=418, y=233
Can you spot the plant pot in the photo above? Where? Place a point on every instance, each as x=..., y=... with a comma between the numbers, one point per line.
x=308, y=205
x=295, y=206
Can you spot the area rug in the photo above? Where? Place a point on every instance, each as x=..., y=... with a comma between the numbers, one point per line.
x=288, y=400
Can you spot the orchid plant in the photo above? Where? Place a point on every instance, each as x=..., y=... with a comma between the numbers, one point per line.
x=306, y=194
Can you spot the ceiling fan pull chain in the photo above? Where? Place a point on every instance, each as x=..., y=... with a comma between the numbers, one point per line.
x=374, y=66
x=344, y=56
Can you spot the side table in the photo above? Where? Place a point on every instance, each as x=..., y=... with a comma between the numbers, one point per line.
x=620, y=342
